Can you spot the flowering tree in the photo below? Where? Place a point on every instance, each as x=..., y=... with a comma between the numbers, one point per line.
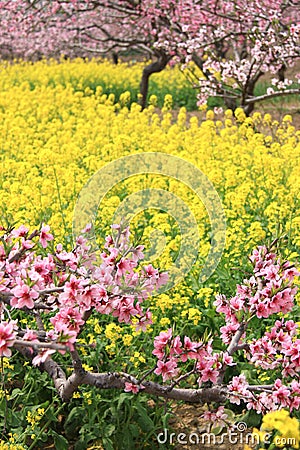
x=234, y=43
x=60, y=289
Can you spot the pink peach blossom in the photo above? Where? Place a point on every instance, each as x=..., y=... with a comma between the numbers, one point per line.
x=7, y=337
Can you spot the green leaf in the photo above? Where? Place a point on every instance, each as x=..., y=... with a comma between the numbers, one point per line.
x=134, y=430
x=16, y=393
x=230, y=414
x=165, y=419
x=217, y=430
x=109, y=429
x=251, y=418
x=51, y=414
x=107, y=444
x=211, y=313
x=122, y=398
x=127, y=440
x=80, y=445
x=13, y=418
x=74, y=421
x=144, y=421
x=60, y=442
x=88, y=437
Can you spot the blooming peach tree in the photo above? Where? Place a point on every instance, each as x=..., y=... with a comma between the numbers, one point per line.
x=235, y=43
x=60, y=289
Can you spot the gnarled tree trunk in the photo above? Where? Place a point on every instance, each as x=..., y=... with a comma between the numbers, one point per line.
x=249, y=93
x=154, y=67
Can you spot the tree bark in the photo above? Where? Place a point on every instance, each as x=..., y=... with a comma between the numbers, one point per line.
x=281, y=72
x=248, y=107
x=154, y=67
x=115, y=57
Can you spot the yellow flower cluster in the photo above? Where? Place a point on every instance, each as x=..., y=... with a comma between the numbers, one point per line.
x=206, y=294
x=84, y=76
x=127, y=340
x=76, y=395
x=34, y=417
x=192, y=314
x=4, y=393
x=6, y=364
x=112, y=331
x=137, y=359
x=286, y=429
x=11, y=445
x=87, y=396
x=93, y=323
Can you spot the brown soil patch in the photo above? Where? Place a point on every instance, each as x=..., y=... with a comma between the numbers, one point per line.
x=192, y=432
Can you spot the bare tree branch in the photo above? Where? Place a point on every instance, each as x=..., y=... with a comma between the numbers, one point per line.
x=273, y=95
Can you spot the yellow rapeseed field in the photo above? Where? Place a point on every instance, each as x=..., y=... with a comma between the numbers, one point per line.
x=56, y=132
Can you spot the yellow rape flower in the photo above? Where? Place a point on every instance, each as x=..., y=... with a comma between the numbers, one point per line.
x=112, y=331
x=127, y=339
